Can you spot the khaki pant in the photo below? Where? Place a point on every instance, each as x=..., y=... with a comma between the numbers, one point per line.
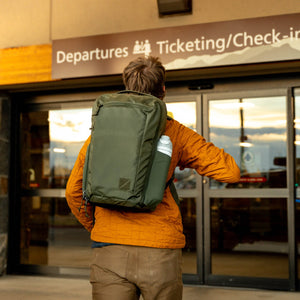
x=126, y=272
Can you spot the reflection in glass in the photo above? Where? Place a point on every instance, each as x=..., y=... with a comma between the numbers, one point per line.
x=50, y=234
x=249, y=237
x=185, y=113
x=185, y=179
x=189, y=253
x=51, y=141
x=253, y=131
x=297, y=170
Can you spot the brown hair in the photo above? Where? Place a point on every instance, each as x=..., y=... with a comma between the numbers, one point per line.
x=146, y=75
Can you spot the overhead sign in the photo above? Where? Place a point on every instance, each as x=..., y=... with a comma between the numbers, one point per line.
x=265, y=39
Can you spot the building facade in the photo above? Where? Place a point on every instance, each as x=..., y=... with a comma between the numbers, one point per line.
x=232, y=75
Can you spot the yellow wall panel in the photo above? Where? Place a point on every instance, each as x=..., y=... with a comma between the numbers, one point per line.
x=25, y=64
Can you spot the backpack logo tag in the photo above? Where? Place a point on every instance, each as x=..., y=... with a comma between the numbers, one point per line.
x=124, y=184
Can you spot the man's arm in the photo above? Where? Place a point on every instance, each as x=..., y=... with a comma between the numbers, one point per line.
x=207, y=159
x=74, y=191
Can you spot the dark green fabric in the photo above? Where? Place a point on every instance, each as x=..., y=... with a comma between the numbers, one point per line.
x=125, y=129
x=156, y=184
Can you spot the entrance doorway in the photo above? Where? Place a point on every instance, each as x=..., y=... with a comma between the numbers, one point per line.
x=242, y=234
x=51, y=239
x=247, y=230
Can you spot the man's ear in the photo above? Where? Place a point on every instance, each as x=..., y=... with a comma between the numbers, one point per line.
x=164, y=90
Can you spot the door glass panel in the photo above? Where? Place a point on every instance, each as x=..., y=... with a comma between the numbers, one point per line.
x=297, y=169
x=51, y=235
x=50, y=143
x=249, y=237
x=253, y=131
x=185, y=113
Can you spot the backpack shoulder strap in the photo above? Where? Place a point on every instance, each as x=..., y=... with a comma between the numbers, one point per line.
x=170, y=182
x=173, y=190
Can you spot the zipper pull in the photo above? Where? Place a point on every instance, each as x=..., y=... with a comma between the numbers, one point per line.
x=86, y=199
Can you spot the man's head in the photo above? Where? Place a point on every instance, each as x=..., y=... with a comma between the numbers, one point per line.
x=146, y=75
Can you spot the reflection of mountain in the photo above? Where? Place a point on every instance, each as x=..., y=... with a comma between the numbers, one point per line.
x=266, y=144
x=250, y=131
x=284, y=50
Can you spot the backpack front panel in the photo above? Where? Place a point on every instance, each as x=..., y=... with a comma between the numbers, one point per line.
x=123, y=142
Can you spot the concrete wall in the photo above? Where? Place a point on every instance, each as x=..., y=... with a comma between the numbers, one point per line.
x=37, y=22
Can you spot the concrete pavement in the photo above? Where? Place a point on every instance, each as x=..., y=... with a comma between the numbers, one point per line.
x=53, y=288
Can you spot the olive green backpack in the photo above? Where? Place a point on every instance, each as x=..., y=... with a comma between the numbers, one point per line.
x=126, y=127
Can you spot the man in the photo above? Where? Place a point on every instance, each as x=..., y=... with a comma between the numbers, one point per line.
x=140, y=253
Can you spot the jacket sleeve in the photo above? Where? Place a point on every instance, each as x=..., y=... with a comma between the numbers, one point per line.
x=207, y=159
x=74, y=191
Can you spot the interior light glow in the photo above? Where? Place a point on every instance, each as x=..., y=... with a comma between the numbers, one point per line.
x=246, y=145
x=59, y=150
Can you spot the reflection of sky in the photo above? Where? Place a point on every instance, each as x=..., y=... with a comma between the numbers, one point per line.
x=184, y=112
x=264, y=127
x=68, y=130
x=258, y=113
x=72, y=125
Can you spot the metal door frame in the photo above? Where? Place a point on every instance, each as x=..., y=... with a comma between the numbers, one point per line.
x=37, y=103
x=196, y=193
x=288, y=193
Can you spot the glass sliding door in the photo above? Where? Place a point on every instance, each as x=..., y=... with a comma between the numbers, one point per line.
x=50, y=237
x=50, y=141
x=297, y=172
x=184, y=110
x=247, y=228
x=236, y=234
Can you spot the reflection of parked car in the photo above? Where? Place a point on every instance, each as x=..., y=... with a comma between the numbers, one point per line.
x=185, y=179
x=273, y=178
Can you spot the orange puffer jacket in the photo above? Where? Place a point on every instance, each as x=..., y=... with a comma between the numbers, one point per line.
x=161, y=228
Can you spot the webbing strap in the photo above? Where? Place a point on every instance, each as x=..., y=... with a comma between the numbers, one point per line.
x=173, y=190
